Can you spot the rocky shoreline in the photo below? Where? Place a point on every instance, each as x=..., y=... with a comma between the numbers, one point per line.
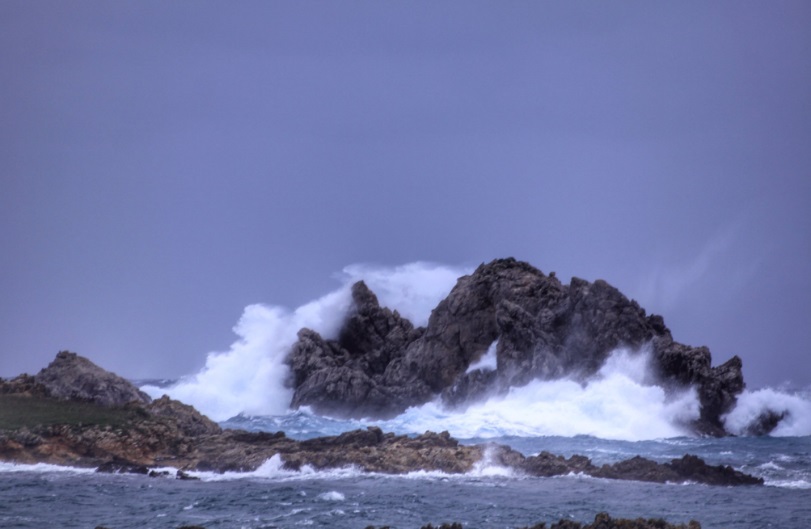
x=94, y=418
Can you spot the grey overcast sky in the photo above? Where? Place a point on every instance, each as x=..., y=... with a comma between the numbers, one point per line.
x=164, y=164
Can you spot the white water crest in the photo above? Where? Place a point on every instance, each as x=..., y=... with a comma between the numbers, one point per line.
x=251, y=377
x=617, y=403
x=752, y=404
x=488, y=361
x=42, y=468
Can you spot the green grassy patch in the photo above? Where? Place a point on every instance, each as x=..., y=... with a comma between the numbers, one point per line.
x=17, y=411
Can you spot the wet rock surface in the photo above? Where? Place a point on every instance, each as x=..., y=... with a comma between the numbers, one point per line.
x=380, y=364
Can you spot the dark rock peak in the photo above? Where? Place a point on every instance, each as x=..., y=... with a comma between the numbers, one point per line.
x=372, y=331
x=346, y=376
x=380, y=364
x=363, y=298
x=71, y=376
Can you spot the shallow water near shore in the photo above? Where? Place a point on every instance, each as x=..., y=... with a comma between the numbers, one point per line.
x=46, y=496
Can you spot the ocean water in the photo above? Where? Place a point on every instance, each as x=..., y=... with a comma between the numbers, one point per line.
x=37, y=496
x=617, y=414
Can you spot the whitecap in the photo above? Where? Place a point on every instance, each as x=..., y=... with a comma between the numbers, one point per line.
x=43, y=468
x=618, y=403
x=332, y=495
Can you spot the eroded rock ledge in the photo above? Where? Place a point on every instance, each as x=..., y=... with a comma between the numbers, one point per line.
x=37, y=426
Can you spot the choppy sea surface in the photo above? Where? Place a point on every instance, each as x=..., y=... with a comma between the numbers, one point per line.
x=36, y=496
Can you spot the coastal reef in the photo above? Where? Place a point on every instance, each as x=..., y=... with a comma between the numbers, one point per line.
x=72, y=413
x=380, y=363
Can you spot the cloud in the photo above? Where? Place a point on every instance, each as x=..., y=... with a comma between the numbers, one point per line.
x=666, y=286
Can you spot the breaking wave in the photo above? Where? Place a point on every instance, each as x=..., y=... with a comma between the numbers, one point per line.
x=616, y=403
x=751, y=405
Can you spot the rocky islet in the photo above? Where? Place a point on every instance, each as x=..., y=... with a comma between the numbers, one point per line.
x=380, y=364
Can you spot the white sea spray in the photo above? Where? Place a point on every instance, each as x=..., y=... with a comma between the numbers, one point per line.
x=751, y=405
x=251, y=378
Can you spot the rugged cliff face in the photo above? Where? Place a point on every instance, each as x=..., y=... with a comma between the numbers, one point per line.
x=380, y=364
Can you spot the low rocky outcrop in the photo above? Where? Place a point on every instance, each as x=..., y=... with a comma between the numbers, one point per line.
x=689, y=468
x=137, y=437
x=543, y=329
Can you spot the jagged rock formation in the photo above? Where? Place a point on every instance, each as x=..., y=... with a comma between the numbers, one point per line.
x=347, y=375
x=74, y=377
x=380, y=364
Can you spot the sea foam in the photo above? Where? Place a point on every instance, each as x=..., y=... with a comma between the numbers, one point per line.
x=617, y=403
x=752, y=404
x=42, y=468
x=251, y=377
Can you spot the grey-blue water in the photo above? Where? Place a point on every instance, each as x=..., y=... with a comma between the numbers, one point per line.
x=41, y=496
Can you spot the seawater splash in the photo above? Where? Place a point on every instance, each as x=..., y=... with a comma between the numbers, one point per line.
x=487, y=362
x=752, y=404
x=42, y=468
x=414, y=290
x=251, y=377
x=617, y=403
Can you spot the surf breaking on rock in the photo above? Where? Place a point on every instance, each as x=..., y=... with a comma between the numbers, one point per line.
x=349, y=355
